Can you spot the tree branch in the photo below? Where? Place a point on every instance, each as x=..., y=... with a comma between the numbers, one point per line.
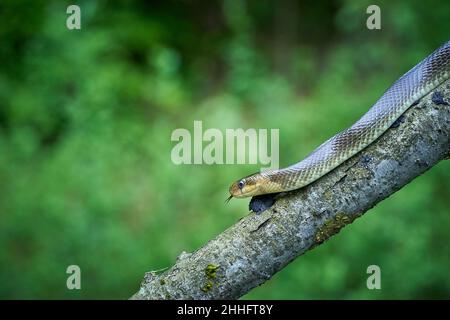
x=255, y=248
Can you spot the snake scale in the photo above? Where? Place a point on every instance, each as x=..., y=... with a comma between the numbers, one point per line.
x=412, y=86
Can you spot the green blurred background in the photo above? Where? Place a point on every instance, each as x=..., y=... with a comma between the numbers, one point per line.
x=86, y=118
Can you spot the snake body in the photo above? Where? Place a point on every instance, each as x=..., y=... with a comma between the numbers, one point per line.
x=412, y=86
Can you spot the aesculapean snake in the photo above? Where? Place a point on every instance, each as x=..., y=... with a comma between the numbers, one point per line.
x=412, y=86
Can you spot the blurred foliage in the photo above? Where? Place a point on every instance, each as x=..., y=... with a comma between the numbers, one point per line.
x=86, y=118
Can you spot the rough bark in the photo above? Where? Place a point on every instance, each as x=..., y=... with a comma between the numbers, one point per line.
x=255, y=248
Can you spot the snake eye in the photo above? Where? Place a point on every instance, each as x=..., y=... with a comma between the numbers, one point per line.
x=241, y=184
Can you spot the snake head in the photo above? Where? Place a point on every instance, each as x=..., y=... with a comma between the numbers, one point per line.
x=246, y=187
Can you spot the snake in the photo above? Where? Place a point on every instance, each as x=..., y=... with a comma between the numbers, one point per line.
x=399, y=97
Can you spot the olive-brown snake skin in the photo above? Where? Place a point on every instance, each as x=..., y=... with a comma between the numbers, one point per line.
x=412, y=86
